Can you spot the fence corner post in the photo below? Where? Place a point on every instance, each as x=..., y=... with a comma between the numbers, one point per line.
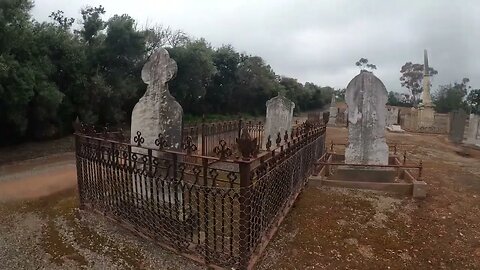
x=245, y=213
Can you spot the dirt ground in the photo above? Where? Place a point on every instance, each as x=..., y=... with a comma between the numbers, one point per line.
x=328, y=228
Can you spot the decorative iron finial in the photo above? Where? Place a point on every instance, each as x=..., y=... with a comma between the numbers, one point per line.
x=161, y=142
x=269, y=142
x=279, y=139
x=138, y=139
x=285, y=137
x=222, y=151
x=247, y=145
x=189, y=146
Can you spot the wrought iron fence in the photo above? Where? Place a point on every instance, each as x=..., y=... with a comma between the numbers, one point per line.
x=220, y=210
x=207, y=135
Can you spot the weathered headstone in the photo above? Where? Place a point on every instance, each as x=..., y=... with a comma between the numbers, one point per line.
x=366, y=97
x=473, y=134
x=157, y=112
x=392, y=116
x=457, y=125
x=313, y=117
x=333, y=111
x=279, y=118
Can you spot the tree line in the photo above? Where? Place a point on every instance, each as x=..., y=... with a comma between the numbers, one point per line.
x=447, y=98
x=53, y=72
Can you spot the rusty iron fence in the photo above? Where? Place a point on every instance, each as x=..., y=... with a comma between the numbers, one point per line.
x=219, y=209
x=207, y=135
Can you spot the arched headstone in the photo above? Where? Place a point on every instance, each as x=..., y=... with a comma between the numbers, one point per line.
x=279, y=118
x=366, y=97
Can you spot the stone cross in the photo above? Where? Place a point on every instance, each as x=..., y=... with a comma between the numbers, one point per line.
x=279, y=118
x=157, y=112
x=366, y=97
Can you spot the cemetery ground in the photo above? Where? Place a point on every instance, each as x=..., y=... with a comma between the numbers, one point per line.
x=328, y=228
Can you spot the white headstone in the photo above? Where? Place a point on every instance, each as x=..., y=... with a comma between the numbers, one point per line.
x=366, y=97
x=392, y=116
x=279, y=118
x=157, y=112
x=473, y=132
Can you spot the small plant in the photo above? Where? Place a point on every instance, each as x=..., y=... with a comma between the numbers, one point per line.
x=364, y=65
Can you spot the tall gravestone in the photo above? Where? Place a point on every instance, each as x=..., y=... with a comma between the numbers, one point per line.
x=473, y=133
x=366, y=97
x=279, y=118
x=457, y=125
x=157, y=112
x=333, y=111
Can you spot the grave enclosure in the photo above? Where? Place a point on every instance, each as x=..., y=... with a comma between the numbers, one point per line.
x=214, y=193
x=367, y=162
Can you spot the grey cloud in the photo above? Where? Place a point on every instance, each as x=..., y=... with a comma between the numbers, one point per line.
x=320, y=41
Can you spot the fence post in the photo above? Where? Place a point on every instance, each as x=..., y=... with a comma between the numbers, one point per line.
x=79, y=173
x=204, y=137
x=240, y=122
x=245, y=214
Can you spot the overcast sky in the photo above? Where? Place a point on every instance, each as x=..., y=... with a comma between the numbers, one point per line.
x=319, y=41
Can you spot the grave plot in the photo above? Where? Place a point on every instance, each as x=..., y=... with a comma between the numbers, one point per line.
x=213, y=193
x=365, y=161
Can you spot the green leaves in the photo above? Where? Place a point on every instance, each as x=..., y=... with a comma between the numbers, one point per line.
x=412, y=78
x=50, y=73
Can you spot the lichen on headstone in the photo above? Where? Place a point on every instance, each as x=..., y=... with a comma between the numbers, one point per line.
x=366, y=97
x=157, y=112
x=279, y=118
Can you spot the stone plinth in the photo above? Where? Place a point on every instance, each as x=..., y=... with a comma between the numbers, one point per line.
x=366, y=97
x=279, y=118
x=157, y=112
x=426, y=117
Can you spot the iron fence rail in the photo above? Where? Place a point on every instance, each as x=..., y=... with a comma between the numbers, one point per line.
x=217, y=210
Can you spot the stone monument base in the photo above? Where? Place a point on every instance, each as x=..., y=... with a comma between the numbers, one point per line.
x=365, y=174
x=426, y=117
x=370, y=177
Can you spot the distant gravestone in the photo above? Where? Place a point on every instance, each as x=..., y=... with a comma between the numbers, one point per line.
x=473, y=134
x=333, y=111
x=157, y=112
x=392, y=116
x=366, y=97
x=279, y=118
x=313, y=117
x=457, y=125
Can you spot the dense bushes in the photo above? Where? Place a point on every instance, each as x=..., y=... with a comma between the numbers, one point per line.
x=51, y=73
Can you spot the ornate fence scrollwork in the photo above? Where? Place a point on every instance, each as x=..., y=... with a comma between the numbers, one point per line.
x=161, y=142
x=215, y=209
x=222, y=150
x=247, y=145
x=189, y=146
x=138, y=139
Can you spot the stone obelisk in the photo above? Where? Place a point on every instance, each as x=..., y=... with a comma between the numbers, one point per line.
x=426, y=114
x=333, y=111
